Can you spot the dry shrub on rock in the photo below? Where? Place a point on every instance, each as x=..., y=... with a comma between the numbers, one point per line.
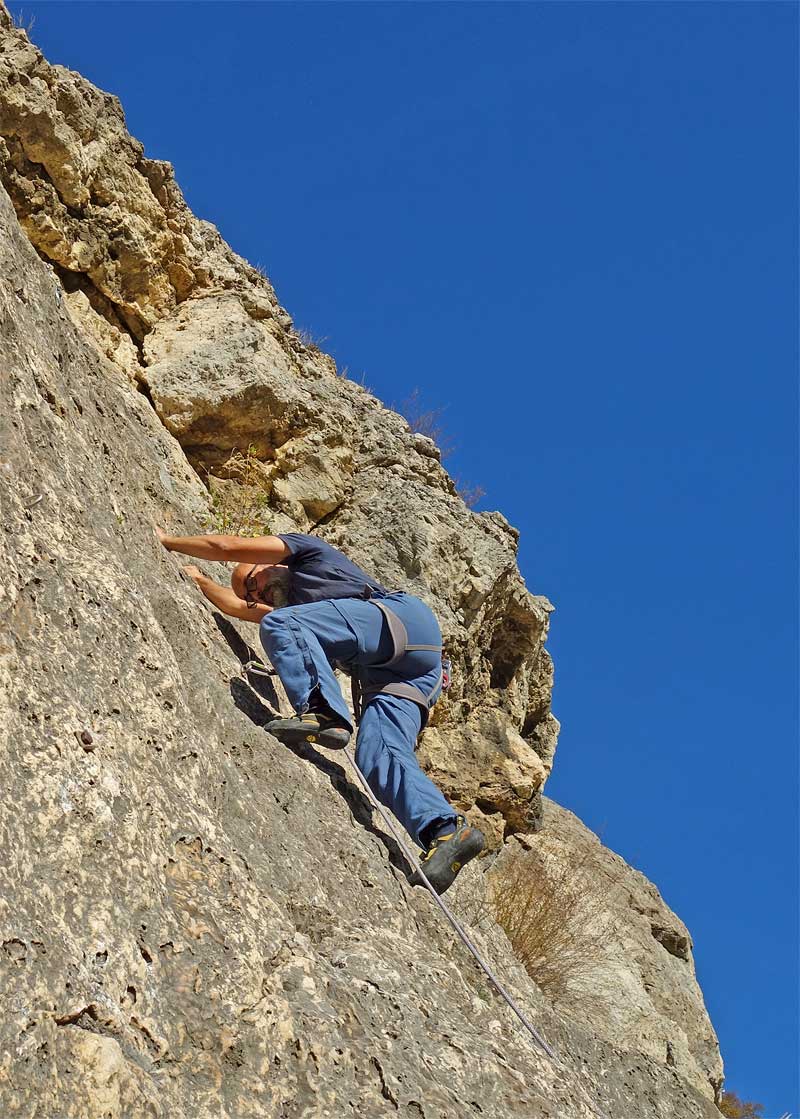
x=558, y=925
x=240, y=497
x=468, y=493
x=734, y=1108
x=426, y=421
x=309, y=339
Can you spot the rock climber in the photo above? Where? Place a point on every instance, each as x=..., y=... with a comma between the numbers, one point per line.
x=316, y=610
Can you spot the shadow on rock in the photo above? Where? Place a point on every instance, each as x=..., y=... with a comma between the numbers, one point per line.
x=250, y=704
x=261, y=685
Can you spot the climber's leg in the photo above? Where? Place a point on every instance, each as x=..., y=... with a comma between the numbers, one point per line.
x=302, y=642
x=385, y=754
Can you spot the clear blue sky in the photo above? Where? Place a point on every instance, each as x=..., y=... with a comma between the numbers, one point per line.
x=573, y=226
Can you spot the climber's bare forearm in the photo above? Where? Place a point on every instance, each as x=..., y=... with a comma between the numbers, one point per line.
x=233, y=549
x=229, y=602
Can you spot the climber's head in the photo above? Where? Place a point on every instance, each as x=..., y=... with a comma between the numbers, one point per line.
x=261, y=582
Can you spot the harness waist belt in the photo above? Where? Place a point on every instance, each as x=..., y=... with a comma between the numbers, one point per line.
x=362, y=696
x=399, y=637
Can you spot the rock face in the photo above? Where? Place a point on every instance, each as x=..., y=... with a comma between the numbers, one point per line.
x=200, y=331
x=644, y=994
x=195, y=920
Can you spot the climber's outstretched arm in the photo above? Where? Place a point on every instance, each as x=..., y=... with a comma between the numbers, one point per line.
x=233, y=549
x=225, y=599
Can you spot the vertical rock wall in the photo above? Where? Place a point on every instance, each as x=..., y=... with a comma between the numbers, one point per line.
x=196, y=921
x=200, y=332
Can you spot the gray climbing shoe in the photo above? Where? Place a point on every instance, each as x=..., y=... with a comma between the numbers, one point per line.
x=322, y=730
x=448, y=854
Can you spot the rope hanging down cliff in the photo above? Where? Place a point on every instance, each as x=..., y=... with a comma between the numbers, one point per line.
x=537, y=1037
x=316, y=609
x=257, y=668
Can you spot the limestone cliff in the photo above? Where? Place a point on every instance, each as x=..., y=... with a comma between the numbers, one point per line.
x=195, y=920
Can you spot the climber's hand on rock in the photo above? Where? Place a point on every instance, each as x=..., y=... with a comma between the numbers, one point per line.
x=225, y=599
x=161, y=536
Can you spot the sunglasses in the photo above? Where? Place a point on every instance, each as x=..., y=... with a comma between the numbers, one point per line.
x=252, y=595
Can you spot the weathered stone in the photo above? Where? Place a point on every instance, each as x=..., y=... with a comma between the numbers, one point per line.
x=161, y=296
x=94, y=205
x=220, y=381
x=111, y=340
x=644, y=993
x=195, y=920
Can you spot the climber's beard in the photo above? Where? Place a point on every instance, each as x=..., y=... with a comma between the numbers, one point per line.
x=277, y=586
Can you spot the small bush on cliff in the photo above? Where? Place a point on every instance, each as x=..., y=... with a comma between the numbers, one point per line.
x=427, y=422
x=468, y=493
x=731, y=1106
x=239, y=497
x=310, y=340
x=556, y=919
x=24, y=21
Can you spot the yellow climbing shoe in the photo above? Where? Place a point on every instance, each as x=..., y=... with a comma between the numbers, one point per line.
x=447, y=855
x=322, y=730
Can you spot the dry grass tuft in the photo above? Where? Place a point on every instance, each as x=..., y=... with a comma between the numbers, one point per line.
x=468, y=493
x=310, y=340
x=24, y=21
x=240, y=496
x=556, y=919
x=426, y=421
x=735, y=1108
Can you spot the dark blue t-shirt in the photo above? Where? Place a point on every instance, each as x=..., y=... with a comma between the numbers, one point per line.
x=320, y=571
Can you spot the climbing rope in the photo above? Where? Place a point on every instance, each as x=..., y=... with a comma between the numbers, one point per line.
x=537, y=1037
x=259, y=669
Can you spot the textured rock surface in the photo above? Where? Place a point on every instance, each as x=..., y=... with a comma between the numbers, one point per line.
x=197, y=921
x=644, y=992
x=160, y=294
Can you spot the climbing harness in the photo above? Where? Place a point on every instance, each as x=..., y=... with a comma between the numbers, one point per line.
x=400, y=646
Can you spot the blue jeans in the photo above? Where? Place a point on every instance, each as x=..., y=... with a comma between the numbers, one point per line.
x=304, y=642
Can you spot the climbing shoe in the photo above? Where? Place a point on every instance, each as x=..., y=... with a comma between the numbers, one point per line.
x=447, y=854
x=322, y=730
